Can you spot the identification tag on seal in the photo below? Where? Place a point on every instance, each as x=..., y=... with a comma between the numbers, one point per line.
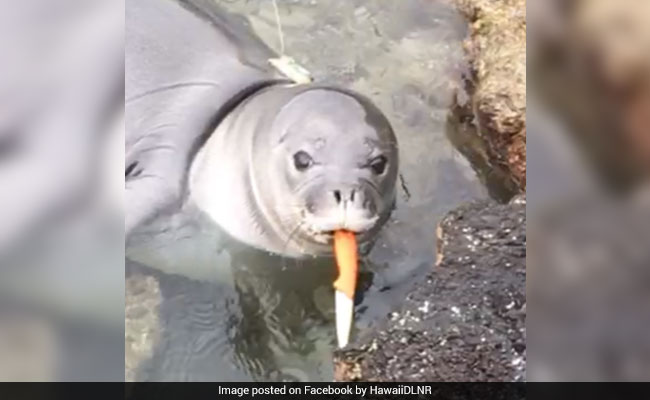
x=291, y=69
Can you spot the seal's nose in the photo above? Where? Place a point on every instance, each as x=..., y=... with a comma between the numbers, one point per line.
x=350, y=207
x=344, y=196
x=351, y=198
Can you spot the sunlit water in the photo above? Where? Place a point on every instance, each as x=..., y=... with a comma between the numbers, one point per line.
x=235, y=313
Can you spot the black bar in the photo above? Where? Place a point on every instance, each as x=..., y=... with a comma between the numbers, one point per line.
x=215, y=391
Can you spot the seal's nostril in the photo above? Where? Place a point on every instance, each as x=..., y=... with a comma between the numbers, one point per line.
x=352, y=195
x=337, y=196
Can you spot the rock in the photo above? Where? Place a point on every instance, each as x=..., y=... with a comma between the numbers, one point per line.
x=496, y=49
x=592, y=67
x=466, y=321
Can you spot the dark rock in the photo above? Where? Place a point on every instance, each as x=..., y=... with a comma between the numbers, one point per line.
x=466, y=320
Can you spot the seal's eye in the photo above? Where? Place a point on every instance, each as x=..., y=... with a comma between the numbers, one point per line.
x=378, y=164
x=302, y=160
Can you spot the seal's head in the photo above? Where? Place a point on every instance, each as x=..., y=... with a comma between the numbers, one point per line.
x=327, y=160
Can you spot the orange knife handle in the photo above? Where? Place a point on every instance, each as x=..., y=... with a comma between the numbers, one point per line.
x=347, y=261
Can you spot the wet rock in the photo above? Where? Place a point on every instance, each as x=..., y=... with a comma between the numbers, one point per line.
x=496, y=49
x=467, y=320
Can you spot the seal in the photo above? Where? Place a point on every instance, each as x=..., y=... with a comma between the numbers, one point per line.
x=278, y=166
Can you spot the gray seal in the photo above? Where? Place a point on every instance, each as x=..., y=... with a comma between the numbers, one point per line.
x=277, y=165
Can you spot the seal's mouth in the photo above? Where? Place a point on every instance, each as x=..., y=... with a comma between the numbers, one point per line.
x=352, y=209
x=326, y=236
x=321, y=228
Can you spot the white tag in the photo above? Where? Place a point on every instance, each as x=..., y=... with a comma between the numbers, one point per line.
x=291, y=69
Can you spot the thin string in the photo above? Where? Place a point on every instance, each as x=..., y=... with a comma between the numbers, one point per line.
x=279, y=25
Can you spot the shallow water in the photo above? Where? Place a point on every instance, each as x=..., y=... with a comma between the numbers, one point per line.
x=240, y=314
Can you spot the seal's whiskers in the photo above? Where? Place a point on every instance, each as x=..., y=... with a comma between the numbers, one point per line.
x=289, y=238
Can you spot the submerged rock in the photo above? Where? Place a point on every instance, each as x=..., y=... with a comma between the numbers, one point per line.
x=142, y=324
x=467, y=320
x=496, y=51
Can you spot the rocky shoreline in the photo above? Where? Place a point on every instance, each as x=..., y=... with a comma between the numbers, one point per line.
x=495, y=114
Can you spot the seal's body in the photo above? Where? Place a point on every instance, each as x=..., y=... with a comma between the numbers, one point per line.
x=183, y=68
x=278, y=166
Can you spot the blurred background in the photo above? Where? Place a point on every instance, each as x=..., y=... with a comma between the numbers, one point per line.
x=61, y=188
x=588, y=120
